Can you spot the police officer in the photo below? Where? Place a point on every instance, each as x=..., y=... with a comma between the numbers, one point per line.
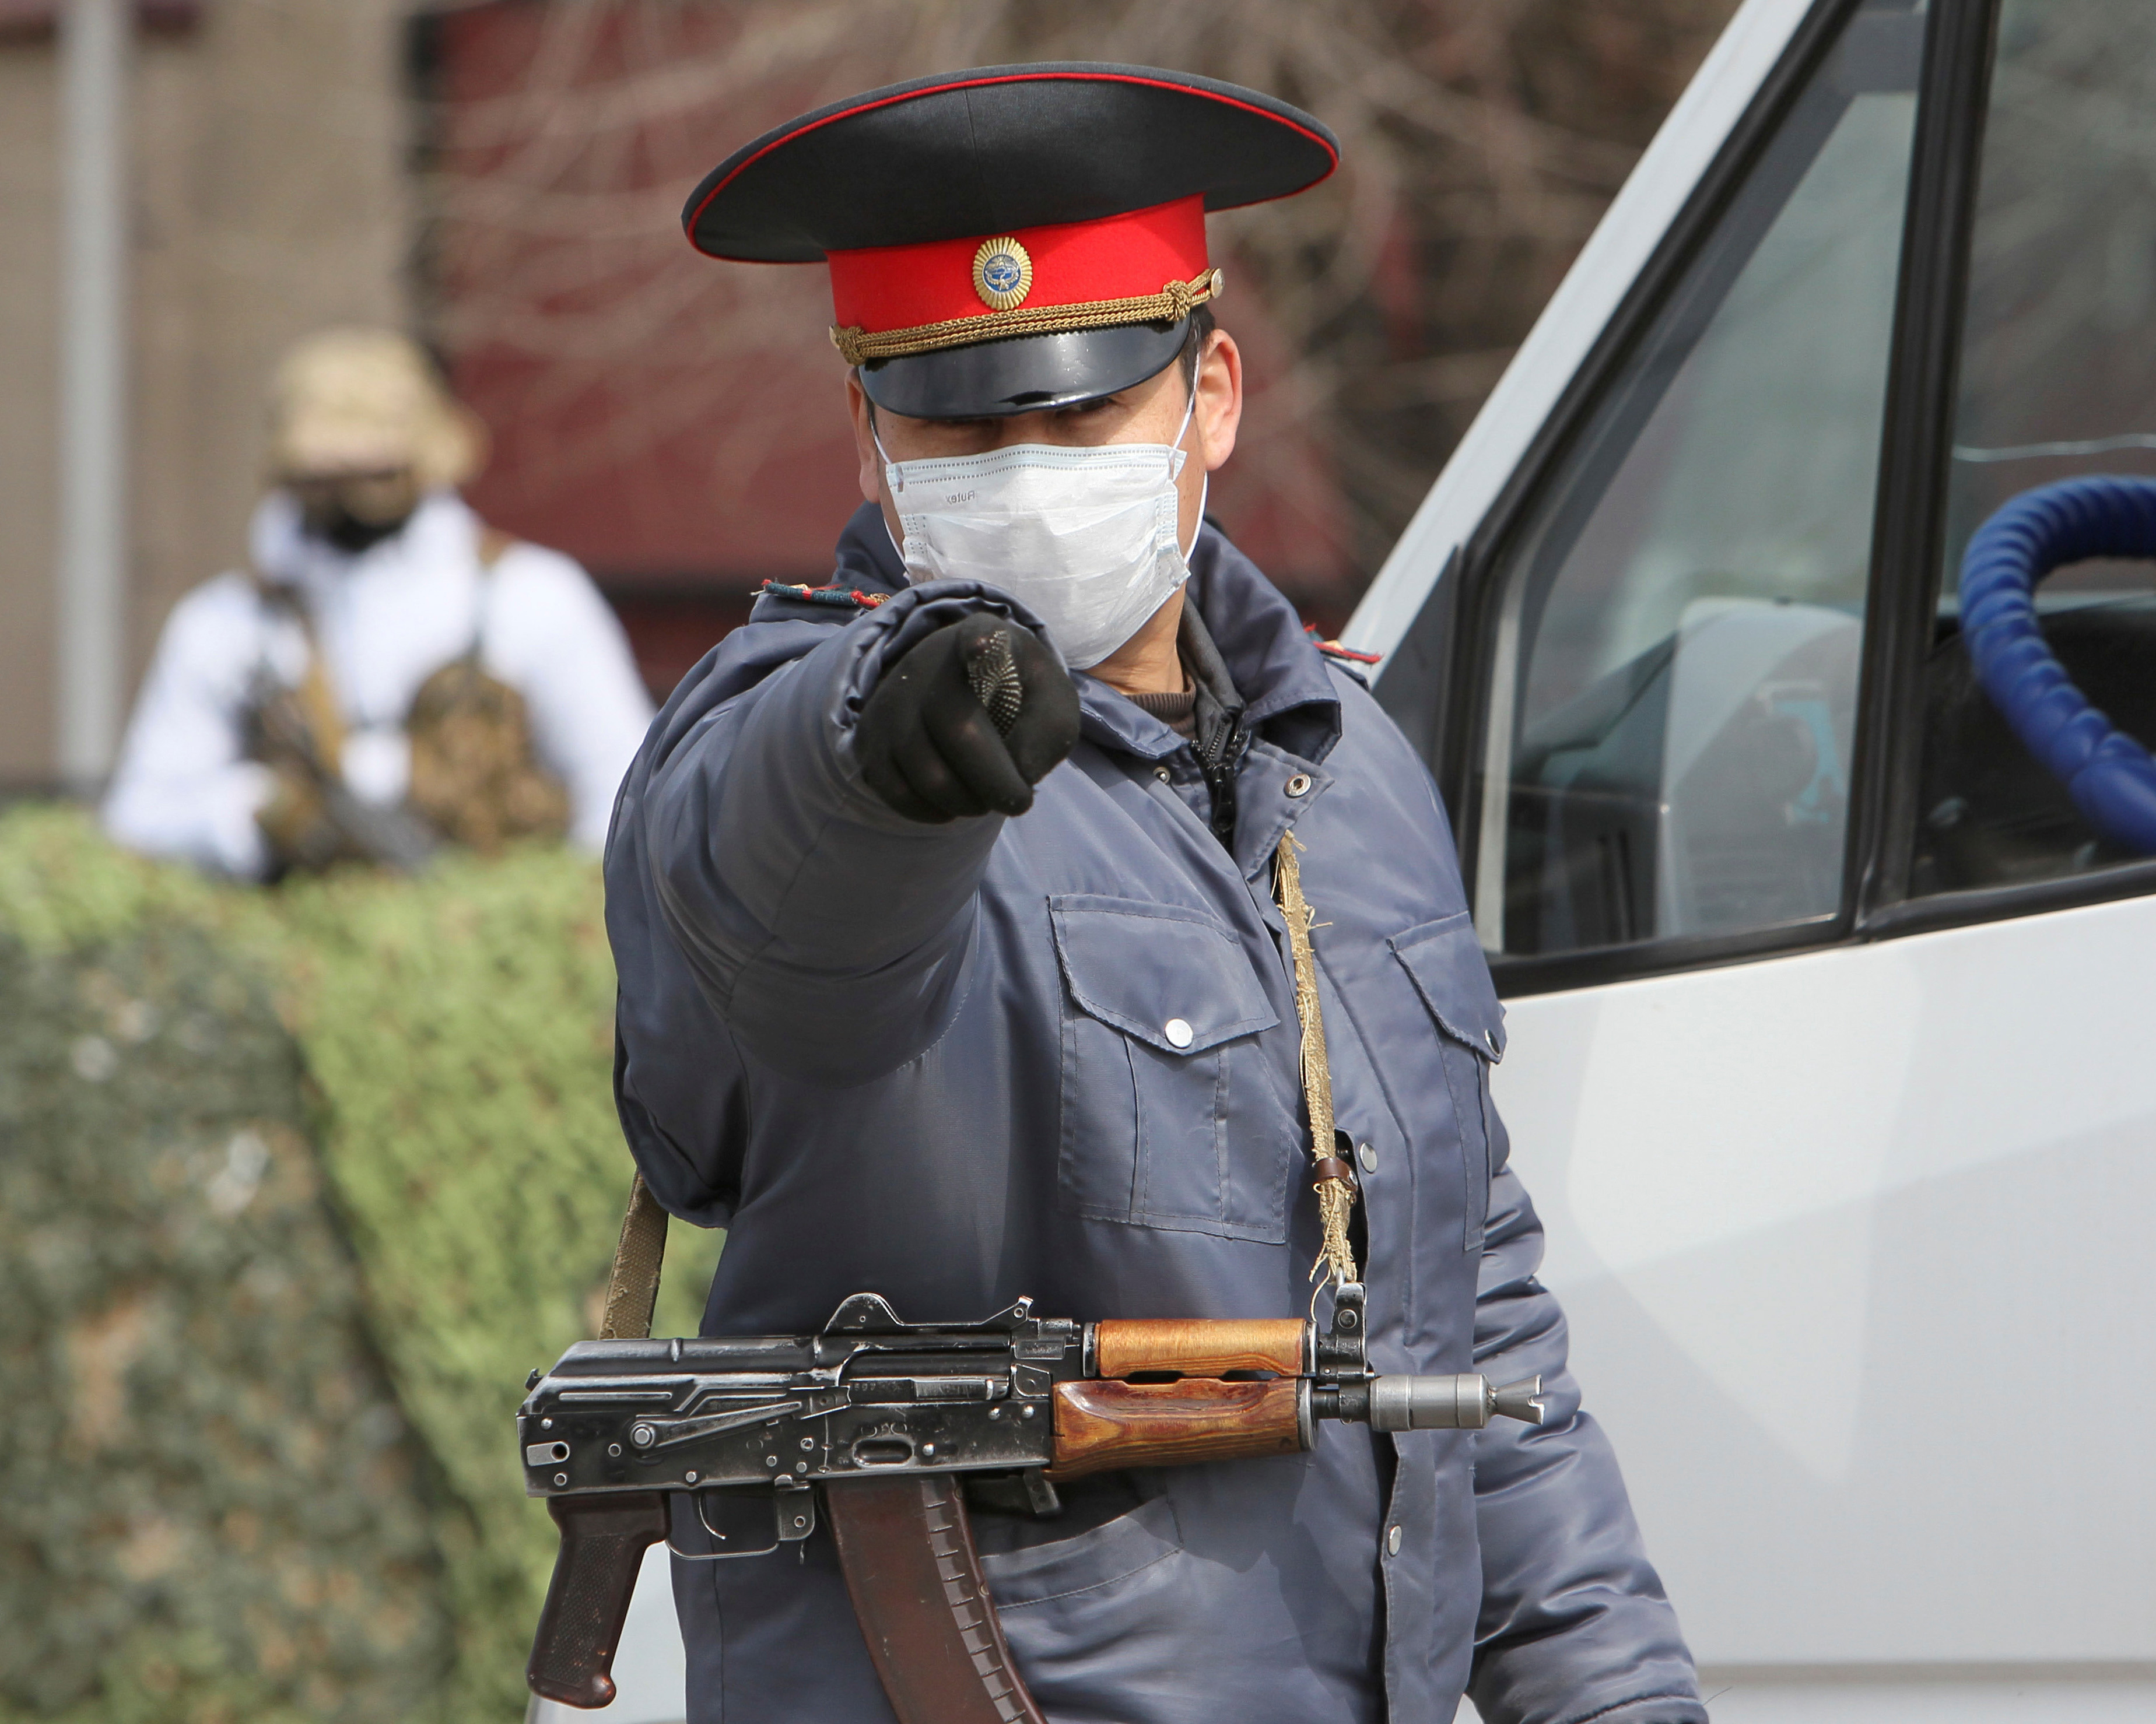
x=912, y=1004
x=388, y=671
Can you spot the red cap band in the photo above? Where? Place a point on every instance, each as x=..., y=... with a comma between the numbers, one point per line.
x=898, y=287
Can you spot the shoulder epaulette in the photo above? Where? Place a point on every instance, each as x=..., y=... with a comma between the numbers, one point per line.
x=851, y=597
x=1333, y=649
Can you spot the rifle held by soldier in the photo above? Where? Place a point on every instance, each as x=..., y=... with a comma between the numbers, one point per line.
x=315, y=819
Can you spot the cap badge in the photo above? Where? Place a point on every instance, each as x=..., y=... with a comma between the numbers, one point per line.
x=1002, y=272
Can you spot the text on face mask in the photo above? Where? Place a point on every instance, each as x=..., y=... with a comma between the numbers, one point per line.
x=952, y=499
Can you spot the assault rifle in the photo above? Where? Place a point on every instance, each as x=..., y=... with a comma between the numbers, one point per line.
x=329, y=824
x=878, y=1418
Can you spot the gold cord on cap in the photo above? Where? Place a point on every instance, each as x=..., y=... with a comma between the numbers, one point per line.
x=1172, y=304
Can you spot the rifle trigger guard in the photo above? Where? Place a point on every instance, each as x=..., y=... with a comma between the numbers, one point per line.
x=794, y=1518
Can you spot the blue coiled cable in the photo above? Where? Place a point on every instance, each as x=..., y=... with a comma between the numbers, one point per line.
x=2111, y=776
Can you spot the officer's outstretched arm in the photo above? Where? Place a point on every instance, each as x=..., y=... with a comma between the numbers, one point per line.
x=815, y=842
x=1575, y=1623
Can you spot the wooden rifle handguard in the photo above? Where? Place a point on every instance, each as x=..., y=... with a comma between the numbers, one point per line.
x=1101, y=1426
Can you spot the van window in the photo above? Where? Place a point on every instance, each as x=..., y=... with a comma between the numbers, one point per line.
x=2058, y=378
x=1678, y=616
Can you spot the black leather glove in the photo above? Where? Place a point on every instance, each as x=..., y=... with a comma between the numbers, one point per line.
x=927, y=745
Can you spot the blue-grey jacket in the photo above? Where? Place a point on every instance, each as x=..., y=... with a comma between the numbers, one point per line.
x=931, y=1061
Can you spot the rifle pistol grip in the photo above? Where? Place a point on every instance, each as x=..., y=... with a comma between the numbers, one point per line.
x=603, y=1539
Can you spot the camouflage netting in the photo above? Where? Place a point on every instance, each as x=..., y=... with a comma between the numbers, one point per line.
x=214, y=1508
x=298, y=1185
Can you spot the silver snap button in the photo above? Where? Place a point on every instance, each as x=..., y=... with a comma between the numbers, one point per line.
x=1299, y=785
x=1163, y=774
x=1491, y=1037
x=1369, y=1157
x=1392, y=1543
x=1178, y=1033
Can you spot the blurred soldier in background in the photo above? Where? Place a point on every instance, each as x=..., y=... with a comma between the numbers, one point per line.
x=390, y=673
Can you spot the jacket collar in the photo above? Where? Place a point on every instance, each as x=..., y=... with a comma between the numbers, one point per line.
x=1218, y=710
x=866, y=557
x=1287, y=695
x=1255, y=638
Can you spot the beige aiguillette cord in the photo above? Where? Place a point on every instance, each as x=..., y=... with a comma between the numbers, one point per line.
x=1335, y=1181
x=632, y=1286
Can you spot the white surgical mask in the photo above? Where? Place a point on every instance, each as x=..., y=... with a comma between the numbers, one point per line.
x=1085, y=538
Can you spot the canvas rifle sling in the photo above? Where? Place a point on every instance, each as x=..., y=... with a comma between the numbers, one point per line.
x=1335, y=1175
x=632, y=1286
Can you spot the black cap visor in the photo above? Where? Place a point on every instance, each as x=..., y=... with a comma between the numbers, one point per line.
x=1023, y=374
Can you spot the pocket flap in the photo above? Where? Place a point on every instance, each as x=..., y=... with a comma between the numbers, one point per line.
x=1445, y=960
x=1113, y=1551
x=1174, y=979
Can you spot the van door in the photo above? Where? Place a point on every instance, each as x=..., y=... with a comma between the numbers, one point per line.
x=1829, y=1069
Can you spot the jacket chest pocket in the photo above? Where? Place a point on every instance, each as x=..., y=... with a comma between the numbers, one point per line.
x=1172, y=1116
x=1444, y=960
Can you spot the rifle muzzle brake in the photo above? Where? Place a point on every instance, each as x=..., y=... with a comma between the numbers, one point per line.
x=1467, y=1402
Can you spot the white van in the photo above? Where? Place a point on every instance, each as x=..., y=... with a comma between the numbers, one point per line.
x=1833, y=1055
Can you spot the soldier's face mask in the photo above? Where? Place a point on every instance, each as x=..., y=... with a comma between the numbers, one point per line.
x=1085, y=537
x=354, y=511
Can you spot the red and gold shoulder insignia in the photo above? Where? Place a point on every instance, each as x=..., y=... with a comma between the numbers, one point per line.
x=1334, y=649
x=851, y=597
